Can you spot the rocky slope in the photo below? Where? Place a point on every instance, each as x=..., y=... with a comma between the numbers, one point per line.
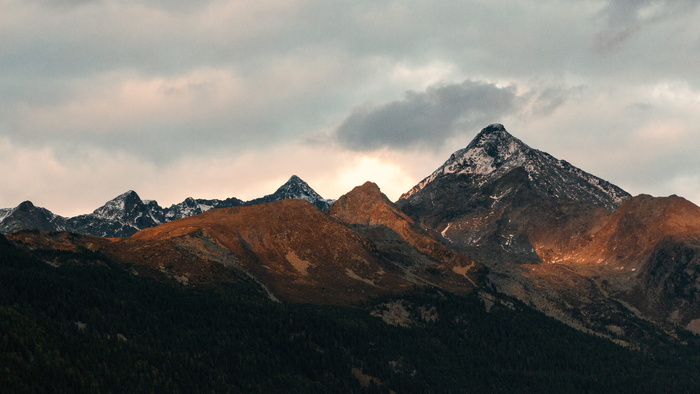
x=293, y=249
x=361, y=249
x=26, y=215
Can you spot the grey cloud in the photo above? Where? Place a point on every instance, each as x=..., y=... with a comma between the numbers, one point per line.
x=629, y=11
x=543, y=100
x=626, y=18
x=166, y=5
x=609, y=40
x=427, y=118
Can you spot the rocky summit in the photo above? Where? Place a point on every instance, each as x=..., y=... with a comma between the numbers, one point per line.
x=294, y=188
x=498, y=194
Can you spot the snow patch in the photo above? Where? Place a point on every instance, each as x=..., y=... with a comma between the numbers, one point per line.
x=5, y=212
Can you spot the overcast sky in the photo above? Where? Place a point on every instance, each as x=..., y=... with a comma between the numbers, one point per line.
x=216, y=99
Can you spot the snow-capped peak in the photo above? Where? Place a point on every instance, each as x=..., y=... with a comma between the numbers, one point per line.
x=119, y=205
x=295, y=187
x=493, y=149
x=494, y=153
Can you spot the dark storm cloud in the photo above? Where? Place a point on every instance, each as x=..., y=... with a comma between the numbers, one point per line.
x=426, y=118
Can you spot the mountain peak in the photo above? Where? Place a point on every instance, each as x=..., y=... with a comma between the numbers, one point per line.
x=493, y=134
x=295, y=179
x=492, y=141
x=130, y=196
x=494, y=129
x=366, y=204
x=28, y=215
x=493, y=149
x=294, y=188
x=370, y=188
x=118, y=206
x=494, y=153
x=25, y=206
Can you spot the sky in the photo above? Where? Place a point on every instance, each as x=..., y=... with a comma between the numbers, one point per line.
x=217, y=99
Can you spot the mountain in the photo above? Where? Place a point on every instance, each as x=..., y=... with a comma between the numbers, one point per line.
x=294, y=250
x=126, y=214
x=398, y=238
x=496, y=194
x=191, y=207
x=648, y=254
x=26, y=215
x=122, y=216
x=497, y=215
x=294, y=188
x=564, y=241
x=494, y=152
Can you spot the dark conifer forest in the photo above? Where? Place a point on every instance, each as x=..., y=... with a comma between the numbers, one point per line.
x=90, y=325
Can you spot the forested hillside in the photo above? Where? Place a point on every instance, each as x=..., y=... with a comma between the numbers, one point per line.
x=90, y=325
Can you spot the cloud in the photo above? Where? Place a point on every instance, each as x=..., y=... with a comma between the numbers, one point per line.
x=626, y=18
x=155, y=87
x=430, y=118
x=427, y=118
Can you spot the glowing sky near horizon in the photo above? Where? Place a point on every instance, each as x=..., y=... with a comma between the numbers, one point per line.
x=218, y=99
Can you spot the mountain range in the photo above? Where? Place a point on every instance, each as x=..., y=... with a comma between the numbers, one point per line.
x=127, y=213
x=499, y=220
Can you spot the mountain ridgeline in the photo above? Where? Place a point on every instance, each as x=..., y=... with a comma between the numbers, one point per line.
x=127, y=214
x=469, y=261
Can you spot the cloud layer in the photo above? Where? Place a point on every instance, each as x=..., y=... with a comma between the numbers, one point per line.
x=123, y=94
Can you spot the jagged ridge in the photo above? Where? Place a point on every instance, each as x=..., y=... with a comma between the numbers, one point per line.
x=127, y=214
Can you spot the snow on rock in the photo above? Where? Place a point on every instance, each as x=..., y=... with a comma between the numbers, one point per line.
x=5, y=212
x=295, y=188
x=494, y=152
